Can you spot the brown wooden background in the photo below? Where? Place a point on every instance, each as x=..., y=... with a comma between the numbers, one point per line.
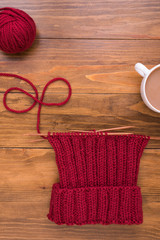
x=95, y=45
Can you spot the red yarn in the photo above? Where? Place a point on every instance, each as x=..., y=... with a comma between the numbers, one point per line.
x=98, y=178
x=17, y=30
x=36, y=96
x=98, y=172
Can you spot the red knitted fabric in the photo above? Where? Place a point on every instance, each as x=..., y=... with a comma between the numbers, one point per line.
x=98, y=172
x=98, y=178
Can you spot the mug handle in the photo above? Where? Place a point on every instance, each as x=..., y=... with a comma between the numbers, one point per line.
x=141, y=69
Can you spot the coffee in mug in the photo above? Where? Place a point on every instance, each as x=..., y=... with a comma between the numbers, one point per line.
x=153, y=88
x=150, y=86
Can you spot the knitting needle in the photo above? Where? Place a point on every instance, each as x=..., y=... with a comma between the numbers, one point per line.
x=119, y=133
x=109, y=129
x=40, y=134
x=152, y=138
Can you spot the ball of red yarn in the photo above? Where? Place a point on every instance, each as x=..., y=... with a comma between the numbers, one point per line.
x=17, y=30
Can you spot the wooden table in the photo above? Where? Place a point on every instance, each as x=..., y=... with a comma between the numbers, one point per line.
x=95, y=45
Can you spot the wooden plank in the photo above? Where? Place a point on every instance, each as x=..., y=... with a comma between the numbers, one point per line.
x=83, y=79
x=43, y=229
x=26, y=179
x=31, y=172
x=29, y=221
x=47, y=53
x=100, y=67
x=93, y=19
x=110, y=110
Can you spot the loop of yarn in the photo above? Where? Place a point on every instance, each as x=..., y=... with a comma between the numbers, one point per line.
x=17, y=30
x=35, y=98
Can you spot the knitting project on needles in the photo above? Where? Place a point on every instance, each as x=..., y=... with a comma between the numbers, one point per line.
x=98, y=172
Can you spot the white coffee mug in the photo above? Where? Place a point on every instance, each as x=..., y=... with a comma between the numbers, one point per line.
x=145, y=72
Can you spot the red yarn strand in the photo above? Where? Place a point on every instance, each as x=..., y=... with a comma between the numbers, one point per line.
x=35, y=98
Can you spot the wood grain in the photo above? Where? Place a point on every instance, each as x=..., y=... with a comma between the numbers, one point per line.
x=47, y=53
x=100, y=67
x=95, y=45
x=110, y=110
x=93, y=19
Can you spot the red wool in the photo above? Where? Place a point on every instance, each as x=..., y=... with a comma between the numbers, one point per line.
x=98, y=172
x=17, y=30
x=98, y=179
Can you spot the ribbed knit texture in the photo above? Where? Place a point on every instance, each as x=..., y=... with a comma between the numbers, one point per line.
x=98, y=178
